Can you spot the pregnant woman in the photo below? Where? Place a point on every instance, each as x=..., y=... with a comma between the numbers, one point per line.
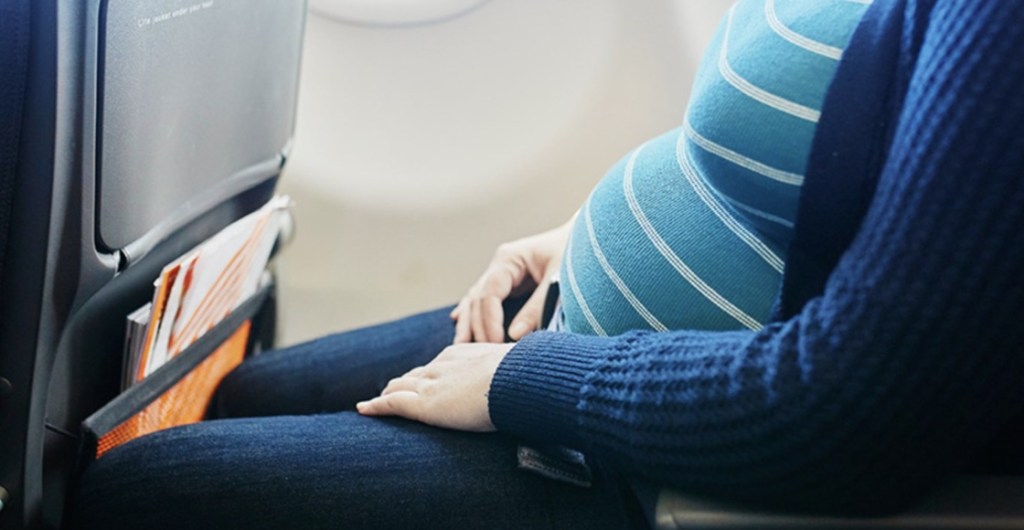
x=808, y=296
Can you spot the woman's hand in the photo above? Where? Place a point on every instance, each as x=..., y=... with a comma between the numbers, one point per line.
x=516, y=268
x=450, y=391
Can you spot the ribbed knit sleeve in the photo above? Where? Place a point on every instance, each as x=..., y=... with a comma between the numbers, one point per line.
x=911, y=358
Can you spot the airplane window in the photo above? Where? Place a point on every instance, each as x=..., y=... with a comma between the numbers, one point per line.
x=389, y=13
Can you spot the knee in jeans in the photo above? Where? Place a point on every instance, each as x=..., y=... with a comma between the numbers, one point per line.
x=230, y=394
x=247, y=390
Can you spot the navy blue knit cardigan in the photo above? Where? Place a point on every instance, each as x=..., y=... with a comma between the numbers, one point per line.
x=898, y=347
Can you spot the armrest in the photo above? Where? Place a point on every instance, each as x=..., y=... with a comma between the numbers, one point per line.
x=967, y=502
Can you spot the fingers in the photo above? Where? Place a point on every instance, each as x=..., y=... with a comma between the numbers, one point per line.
x=400, y=397
x=401, y=385
x=529, y=316
x=479, y=316
x=463, y=332
x=405, y=404
x=450, y=391
x=488, y=316
x=411, y=381
x=488, y=319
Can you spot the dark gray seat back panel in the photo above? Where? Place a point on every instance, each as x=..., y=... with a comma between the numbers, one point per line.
x=191, y=94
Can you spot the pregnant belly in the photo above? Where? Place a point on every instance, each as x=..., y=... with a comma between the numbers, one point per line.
x=655, y=247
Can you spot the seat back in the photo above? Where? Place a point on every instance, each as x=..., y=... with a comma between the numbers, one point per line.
x=146, y=126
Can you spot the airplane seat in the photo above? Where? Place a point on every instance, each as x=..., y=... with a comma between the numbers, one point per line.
x=130, y=132
x=985, y=494
x=963, y=502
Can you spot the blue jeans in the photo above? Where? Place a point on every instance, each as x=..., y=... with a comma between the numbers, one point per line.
x=287, y=451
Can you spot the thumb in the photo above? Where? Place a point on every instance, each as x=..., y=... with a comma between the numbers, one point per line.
x=403, y=403
x=528, y=317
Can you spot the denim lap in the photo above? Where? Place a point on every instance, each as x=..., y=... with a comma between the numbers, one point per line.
x=332, y=471
x=288, y=452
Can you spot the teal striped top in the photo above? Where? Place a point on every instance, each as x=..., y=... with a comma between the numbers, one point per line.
x=690, y=230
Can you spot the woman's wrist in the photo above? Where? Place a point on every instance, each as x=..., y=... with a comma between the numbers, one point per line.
x=536, y=389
